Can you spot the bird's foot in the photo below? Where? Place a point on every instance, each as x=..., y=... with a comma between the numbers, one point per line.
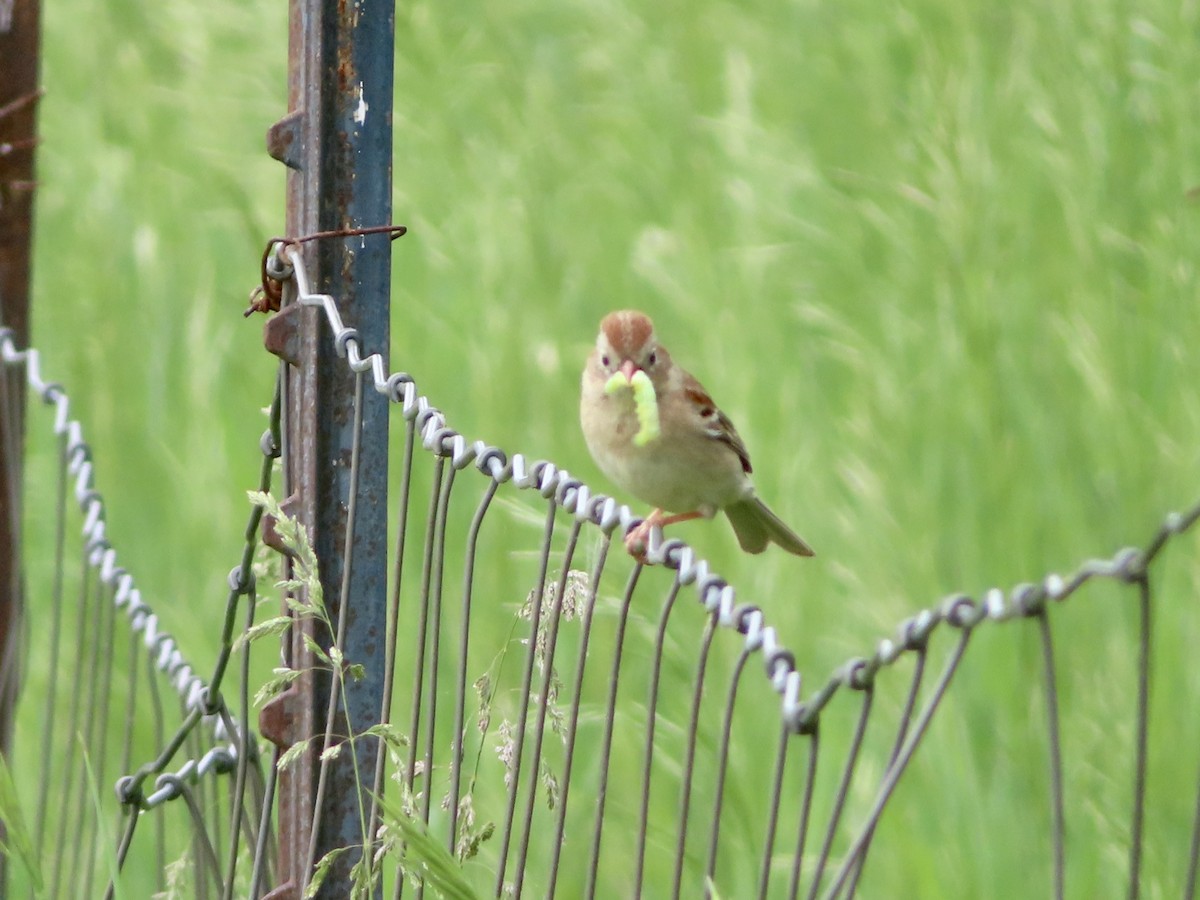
x=637, y=541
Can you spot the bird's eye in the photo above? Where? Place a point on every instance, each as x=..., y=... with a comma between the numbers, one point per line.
x=605, y=361
x=652, y=358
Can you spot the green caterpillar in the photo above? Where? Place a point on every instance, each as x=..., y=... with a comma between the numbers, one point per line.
x=645, y=401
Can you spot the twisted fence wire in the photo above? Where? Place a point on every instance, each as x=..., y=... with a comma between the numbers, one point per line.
x=98, y=702
x=683, y=854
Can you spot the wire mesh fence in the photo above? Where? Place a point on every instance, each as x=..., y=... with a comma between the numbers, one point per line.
x=602, y=727
x=582, y=708
x=122, y=708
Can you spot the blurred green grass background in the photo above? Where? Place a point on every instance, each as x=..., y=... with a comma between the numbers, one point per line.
x=936, y=260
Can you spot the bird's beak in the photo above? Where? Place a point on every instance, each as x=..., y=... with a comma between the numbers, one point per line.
x=627, y=369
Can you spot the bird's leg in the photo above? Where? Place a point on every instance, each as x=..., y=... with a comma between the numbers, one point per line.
x=679, y=517
x=638, y=540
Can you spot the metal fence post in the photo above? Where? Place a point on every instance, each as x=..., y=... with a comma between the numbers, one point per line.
x=337, y=142
x=19, y=42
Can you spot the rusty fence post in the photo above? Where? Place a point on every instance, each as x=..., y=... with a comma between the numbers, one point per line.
x=19, y=42
x=336, y=141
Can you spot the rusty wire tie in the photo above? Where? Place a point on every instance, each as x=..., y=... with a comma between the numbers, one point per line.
x=267, y=296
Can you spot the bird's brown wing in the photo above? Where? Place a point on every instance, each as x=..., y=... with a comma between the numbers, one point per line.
x=717, y=424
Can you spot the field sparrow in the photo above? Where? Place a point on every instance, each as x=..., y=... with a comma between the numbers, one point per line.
x=688, y=464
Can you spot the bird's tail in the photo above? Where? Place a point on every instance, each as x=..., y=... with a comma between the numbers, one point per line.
x=755, y=526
